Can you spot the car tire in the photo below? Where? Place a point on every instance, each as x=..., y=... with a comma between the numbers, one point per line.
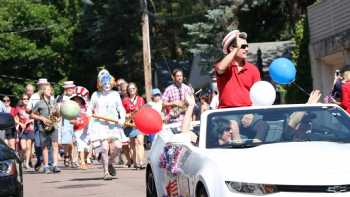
x=151, y=190
x=201, y=192
x=19, y=194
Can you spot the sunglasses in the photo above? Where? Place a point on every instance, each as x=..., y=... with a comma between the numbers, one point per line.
x=5, y=100
x=243, y=46
x=25, y=99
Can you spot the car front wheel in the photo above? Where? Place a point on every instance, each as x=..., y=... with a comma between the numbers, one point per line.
x=201, y=192
x=150, y=185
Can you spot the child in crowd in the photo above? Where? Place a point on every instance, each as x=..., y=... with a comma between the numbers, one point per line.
x=81, y=136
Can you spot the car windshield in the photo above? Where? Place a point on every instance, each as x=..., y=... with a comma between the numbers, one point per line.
x=249, y=128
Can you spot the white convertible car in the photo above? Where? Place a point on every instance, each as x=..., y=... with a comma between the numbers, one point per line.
x=282, y=150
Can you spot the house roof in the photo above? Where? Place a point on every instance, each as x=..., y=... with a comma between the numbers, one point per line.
x=269, y=51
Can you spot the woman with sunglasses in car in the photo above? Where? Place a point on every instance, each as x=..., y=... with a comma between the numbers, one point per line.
x=235, y=75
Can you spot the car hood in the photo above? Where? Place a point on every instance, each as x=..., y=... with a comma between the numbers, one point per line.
x=293, y=163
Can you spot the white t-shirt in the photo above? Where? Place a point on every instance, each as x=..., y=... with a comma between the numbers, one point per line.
x=214, y=102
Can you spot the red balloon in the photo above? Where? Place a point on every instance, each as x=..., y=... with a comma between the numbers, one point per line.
x=148, y=120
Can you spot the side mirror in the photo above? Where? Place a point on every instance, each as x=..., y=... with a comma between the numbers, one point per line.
x=6, y=121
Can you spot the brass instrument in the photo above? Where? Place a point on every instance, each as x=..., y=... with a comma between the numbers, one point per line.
x=176, y=111
x=53, y=121
x=129, y=120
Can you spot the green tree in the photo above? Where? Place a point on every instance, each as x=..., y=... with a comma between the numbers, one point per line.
x=35, y=42
x=300, y=55
x=205, y=37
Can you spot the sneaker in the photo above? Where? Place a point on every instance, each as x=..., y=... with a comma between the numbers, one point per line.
x=26, y=166
x=74, y=165
x=66, y=161
x=88, y=160
x=56, y=169
x=37, y=166
x=46, y=170
x=83, y=166
x=107, y=176
x=111, y=170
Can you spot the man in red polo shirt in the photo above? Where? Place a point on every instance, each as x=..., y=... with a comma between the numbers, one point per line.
x=234, y=74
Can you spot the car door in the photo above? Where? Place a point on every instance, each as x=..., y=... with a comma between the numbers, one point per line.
x=172, y=161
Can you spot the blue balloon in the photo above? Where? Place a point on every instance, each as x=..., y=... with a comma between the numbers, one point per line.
x=282, y=71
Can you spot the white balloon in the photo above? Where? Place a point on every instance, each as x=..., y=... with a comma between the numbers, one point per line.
x=262, y=93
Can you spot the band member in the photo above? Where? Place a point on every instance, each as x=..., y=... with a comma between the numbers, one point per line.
x=45, y=112
x=132, y=104
x=174, y=98
x=105, y=129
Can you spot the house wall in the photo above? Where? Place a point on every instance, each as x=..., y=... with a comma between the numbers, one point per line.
x=329, y=23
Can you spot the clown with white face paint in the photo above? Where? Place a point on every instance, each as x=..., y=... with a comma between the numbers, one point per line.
x=107, y=136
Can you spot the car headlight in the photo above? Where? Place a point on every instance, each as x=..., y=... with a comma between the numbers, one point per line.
x=251, y=188
x=8, y=168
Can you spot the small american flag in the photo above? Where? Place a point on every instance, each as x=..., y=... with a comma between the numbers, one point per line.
x=171, y=189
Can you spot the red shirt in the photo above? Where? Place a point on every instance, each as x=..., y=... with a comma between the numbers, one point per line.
x=131, y=105
x=345, y=96
x=234, y=86
x=23, y=118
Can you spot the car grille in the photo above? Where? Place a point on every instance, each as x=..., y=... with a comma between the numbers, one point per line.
x=316, y=188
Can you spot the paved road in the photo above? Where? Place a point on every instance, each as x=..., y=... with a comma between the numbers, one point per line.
x=75, y=183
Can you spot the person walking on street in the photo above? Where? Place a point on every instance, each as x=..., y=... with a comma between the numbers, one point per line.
x=65, y=131
x=174, y=97
x=10, y=134
x=33, y=100
x=45, y=113
x=132, y=104
x=25, y=129
x=234, y=74
x=105, y=128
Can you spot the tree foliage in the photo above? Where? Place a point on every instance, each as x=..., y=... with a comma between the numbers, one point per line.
x=69, y=39
x=35, y=41
x=300, y=55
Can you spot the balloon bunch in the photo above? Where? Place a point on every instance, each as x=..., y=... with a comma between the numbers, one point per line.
x=282, y=71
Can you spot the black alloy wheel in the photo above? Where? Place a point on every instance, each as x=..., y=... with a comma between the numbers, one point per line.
x=151, y=190
x=201, y=192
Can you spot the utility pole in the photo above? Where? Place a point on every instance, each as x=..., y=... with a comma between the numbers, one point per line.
x=146, y=51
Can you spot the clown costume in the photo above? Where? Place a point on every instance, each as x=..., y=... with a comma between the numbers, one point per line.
x=106, y=136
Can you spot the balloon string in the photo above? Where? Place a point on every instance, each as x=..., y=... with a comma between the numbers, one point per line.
x=300, y=88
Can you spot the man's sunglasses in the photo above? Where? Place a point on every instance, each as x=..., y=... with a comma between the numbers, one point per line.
x=244, y=46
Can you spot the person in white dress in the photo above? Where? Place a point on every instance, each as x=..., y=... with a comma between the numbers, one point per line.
x=105, y=128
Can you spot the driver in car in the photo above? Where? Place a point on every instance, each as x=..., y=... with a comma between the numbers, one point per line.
x=249, y=127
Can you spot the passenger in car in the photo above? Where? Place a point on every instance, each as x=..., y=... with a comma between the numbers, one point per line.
x=253, y=128
x=298, y=122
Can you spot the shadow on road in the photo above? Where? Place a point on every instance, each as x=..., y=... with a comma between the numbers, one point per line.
x=90, y=179
x=79, y=186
